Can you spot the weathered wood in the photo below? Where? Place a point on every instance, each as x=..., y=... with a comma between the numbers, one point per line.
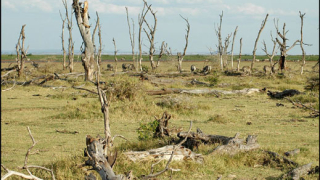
x=296, y=173
x=238, y=66
x=87, y=56
x=70, y=40
x=301, y=43
x=131, y=35
x=256, y=42
x=236, y=145
x=285, y=160
x=180, y=57
x=285, y=93
x=207, y=139
x=202, y=91
x=234, y=36
x=15, y=67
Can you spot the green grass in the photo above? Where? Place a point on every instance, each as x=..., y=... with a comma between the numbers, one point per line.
x=279, y=129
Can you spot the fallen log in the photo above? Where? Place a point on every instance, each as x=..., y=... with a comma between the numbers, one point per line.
x=165, y=152
x=285, y=93
x=285, y=160
x=202, y=91
x=296, y=173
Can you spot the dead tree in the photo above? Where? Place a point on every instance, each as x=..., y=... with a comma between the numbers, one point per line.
x=274, y=50
x=141, y=20
x=220, y=47
x=255, y=44
x=301, y=44
x=163, y=49
x=151, y=35
x=115, y=54
x=87, y=54
x=234, y=36
x=131, y=35
x=71, y=44
x=225, y=49
x=98, y=54
x=238, y=67
x=62, y=39
x=180, y=57
x=283, y=46
x=21, y=59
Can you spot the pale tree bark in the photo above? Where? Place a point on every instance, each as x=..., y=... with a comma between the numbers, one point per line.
x=234, y=36
x=238, y=66
x=255, y=44
x=141, y=20
x=283, y=46
x=115, y=54
x=87, y=56
x=220, y=47
x=163, y=49
x=131, y=35
x=180, y=57
x=71, y=44
x=62, y=39
x=225, y=49
x=98, y=54
x=301, y=43
x=20, y=49
x=151, y=35
x=274, y=51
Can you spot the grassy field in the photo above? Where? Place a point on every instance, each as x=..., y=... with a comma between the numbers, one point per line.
x=46, y=110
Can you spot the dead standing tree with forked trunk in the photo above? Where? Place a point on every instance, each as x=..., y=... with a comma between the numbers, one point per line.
x=283, y=46
x=98, y=54
x=20, y=49
x=151, y=35
x=220, y=47
x=71, y=44
x=87, y=56
x=180, y=57
x=301, y=44
x=141, y=20
x=115, y=55
x=255, y=44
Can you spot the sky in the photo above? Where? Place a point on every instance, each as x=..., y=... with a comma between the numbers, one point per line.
x=44, y=25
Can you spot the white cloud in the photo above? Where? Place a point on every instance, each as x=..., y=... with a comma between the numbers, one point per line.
x=280, y=12
x=251, y=9
x=9, y=4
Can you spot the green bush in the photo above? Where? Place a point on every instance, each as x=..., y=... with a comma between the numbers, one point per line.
x=147, y=130
x=145, y=68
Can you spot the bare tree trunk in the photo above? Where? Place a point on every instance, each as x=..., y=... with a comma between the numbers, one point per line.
x=225, y=49
x=141, y=20
x=131, y=36
x=71, y=44
x=115, y=55
x=151, y=35
x=220, y=47
x=301, y=44
x=234, y=36
x=87, y=56
x=180, y=57
x=255, y=44
x=21, y=60
x=62, y=39
x=274, y=51
x=98, y=54
x=283, y=46
x=238, y=67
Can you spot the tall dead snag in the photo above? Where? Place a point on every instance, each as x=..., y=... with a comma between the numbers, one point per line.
x=220, y=47
x=163, y=49
x=98, y=54
x=283, y=46
x=87, y=56
x=115, y=54
x=141, y=20
x=255, y=44
x=274, y=51
x=234, y=36
x=131, y=35
x=180, y=57
x=71, y=44
x=21, y=59
x=301, y=44
x=238, y=67
x=62, y=39
x=151, y=35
